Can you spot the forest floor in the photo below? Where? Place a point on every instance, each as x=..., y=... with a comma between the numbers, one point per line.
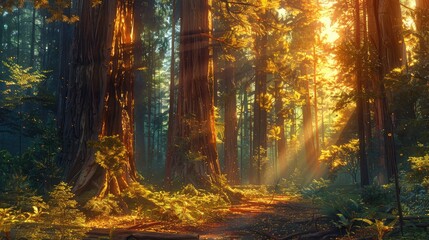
x=270, y=217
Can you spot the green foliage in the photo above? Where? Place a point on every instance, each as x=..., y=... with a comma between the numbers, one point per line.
x=292, y=184
x=110, y=154
x=58, y=219
x=316, y=190
x=63, y=215
x=420, y=170
x=20, y=86
x=346, y=223
x=103, y=207
x=342, y=158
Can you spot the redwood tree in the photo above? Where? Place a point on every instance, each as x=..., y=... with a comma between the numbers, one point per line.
x=385, y=35
x=194, y=157
x=231, y=128
x=99, y=98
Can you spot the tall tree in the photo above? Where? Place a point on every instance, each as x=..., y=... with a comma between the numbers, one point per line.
x=260, y=109
x=194, y=159
x=385, y=35
x=231, y=128
x=364, y=176
x=99, y=95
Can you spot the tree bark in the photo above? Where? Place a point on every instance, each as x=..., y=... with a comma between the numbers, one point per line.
x=385, y=33
x=260, y=114
x=100, y=94
x=364, y=176
x=230, y=130
x=194, y=159
x=118, y=116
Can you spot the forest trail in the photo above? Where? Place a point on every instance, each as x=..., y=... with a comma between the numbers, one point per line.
x=269, y=217
x=272, y=217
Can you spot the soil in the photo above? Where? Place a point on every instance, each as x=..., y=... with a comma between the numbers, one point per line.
x=271, y=217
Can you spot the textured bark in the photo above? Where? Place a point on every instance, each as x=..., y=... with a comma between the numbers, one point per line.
x=99, y=98
x=259, y=158
x=118, y=116
x=194, y=159
x=65, y=43
x=364, y=176
x=231, y=130
x=385, y=35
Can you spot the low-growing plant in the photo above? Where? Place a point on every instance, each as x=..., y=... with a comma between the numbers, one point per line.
x=292, y=184
x=316, y=190
x=420, y=170
x=66, y=220
x=103, y=206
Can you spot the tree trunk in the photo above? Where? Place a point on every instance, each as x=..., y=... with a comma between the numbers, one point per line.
x=172, y=99
x=280, y=122
x=385, y=33
x=64, y=71
x=33, y=37
x=260, y=114
x=230, y=130
x=194, y=159
x=364, y=176
x=309, y=143
x=118, y=118
x=99, y=97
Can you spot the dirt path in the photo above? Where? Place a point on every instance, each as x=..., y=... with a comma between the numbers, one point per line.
x=271, y=217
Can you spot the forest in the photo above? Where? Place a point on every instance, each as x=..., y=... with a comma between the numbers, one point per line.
x=214, y=119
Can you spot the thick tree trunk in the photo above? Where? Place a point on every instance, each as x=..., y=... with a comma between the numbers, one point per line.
x=194, y=158
x=64, y=72
x=118, y=117
x=86, y=91
x=385, y=33
x=230, y=130
x=100, y=94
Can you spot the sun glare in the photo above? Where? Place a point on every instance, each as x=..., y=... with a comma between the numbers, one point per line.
x=329, y=32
